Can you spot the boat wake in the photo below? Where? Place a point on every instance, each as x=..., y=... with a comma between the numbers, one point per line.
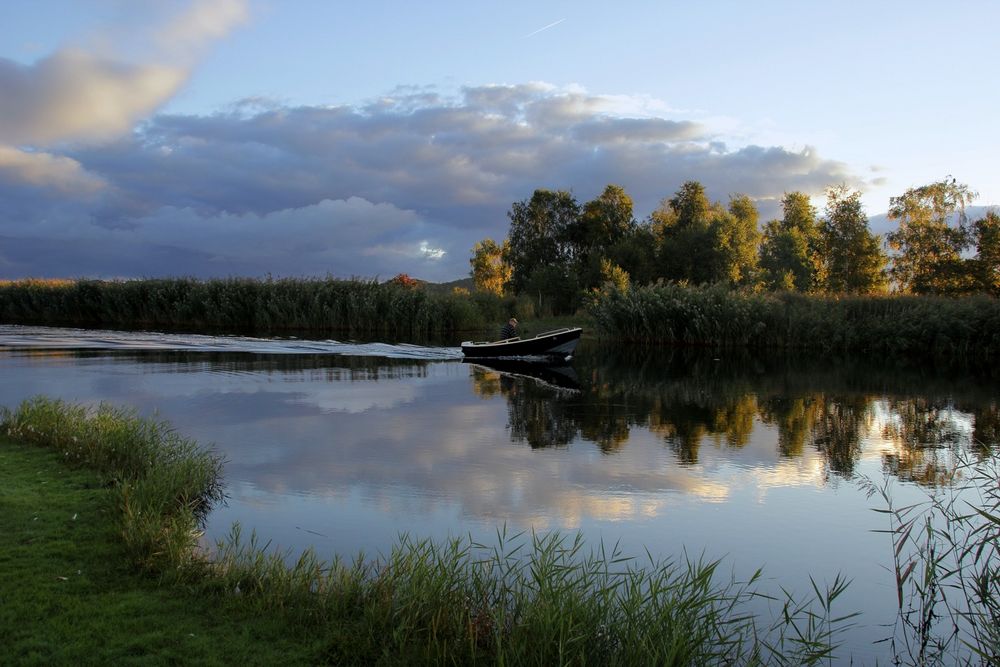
x=55, y=338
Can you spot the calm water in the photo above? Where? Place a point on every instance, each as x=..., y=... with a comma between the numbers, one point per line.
x=343, y=446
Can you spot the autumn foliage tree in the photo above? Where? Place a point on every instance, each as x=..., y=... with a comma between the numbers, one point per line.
x=491, y=272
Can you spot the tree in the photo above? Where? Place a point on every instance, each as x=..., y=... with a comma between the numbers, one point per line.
x=636, y=254
x=986, y=231
x=603, y=222
x=737, y=236
x=855, y=261
x=540, y=234
x=687, y=249
x=606, y=220
x=928, y=250
x=791, y=250
x=491, y=272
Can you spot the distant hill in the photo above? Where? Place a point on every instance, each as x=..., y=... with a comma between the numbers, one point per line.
x=880, y=224
x=446, y=288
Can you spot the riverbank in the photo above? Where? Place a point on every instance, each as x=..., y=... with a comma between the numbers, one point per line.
x=68, y=595
x=528, y=600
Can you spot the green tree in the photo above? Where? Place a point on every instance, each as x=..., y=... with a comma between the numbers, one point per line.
x=687, y=248
x=607, y=219
x=636, y=254
x=928, y=249
x=540, y=234
x=737, y=237
x=491, y=272
x=986, y=231
x=790, y=255
x=556, y=289
x=603, y=222
x=855, y=261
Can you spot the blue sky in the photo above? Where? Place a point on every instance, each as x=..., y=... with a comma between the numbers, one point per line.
x=246, y=137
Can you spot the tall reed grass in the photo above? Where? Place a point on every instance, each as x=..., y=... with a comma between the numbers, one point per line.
x=946, y=556
x=525, y=600
x=359, y=306
x=716, y=315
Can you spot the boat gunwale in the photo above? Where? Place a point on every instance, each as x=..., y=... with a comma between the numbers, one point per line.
x=518, y=339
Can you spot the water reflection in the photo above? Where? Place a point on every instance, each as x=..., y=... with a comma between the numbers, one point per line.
x=692, y=399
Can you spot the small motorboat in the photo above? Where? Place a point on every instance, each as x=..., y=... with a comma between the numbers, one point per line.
x=555, y=345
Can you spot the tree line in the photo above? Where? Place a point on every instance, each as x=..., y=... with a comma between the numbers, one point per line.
x=558, y=250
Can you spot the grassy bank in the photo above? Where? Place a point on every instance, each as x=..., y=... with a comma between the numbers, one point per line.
x=887, y=325
x=69, y=596
x=538, y=600
x=319, y=305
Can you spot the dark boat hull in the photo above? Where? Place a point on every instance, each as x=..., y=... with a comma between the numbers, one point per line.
x=553, y=345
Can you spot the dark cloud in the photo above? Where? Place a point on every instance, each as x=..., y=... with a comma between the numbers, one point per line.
x=406, y=183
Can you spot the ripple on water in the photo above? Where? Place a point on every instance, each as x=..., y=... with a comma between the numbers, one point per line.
x=30, y=337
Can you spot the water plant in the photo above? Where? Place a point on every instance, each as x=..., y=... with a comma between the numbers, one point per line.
x=924, y=326
x=946, y=562
x=356, y=305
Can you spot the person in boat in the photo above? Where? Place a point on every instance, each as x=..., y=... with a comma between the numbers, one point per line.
x=509, y=330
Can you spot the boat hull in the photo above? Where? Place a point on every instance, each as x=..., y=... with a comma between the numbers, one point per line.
x=552, y=345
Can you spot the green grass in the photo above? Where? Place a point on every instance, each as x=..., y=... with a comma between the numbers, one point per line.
x=525, y=600
x=68, y=595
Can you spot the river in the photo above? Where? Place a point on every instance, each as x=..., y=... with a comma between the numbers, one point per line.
x=342, y=446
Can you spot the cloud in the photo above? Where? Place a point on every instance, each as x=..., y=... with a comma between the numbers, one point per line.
x=406, y=183
x=202, y=22
x=80, y=95
x=48, y=171
x=74, y=95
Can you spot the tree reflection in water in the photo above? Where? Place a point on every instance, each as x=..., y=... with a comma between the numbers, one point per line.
x=697, y=398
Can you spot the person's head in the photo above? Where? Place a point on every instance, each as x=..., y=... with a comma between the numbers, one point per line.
x=512, y=321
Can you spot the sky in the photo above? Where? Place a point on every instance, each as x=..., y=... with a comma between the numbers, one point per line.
x=215, y=138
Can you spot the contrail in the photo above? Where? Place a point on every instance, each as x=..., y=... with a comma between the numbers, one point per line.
x=551, y=25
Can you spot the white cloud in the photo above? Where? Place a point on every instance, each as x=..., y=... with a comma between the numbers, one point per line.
x=74, y=95
x=77, y=94
x=205, y=20
x=47, y=171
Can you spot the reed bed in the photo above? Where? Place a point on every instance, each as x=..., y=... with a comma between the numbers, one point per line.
x=927, y=326
x=525, y=600
x=357, y=305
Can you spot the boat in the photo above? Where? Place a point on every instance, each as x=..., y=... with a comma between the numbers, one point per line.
x=555, y=345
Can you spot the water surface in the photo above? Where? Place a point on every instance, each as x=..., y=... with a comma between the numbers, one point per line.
x=342, y=446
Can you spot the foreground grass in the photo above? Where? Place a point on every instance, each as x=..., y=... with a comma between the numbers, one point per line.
x=541, y=601
x=68, y=594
